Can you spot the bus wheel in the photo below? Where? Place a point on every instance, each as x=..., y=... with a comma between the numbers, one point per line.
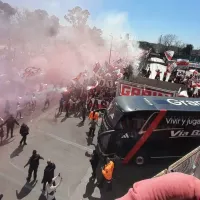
x=139, y=160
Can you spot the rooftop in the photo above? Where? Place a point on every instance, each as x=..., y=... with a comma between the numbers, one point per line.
x=150, y=103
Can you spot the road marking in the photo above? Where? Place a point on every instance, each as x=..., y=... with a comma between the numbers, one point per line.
x=69, y=142
x=38, y=192
x=16, y=167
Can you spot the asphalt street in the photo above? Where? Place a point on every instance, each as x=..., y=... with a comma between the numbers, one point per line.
x=64, y=142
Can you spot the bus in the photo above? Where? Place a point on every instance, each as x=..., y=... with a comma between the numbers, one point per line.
x=139, y=128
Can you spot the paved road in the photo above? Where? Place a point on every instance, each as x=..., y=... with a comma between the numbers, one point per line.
x=64, y=142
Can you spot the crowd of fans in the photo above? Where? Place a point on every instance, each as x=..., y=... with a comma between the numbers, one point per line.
x=190, y=80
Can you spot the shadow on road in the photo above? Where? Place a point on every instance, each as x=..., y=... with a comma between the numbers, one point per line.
x=17, y=151
x=90, y=141
x=89, y=188
x=6, y=141
x=80, y=124
x=64, y=119
x=26, y=189
x=42, y=197
x=87, y=154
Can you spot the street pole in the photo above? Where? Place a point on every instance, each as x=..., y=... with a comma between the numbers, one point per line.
x=110, y=49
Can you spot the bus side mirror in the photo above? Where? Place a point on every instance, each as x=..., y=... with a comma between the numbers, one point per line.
x=109, y=132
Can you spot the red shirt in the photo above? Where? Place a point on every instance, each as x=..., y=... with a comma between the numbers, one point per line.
x=172, y=186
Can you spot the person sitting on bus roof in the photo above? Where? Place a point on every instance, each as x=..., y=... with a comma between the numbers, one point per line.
x=94, y=115
x=171, y=186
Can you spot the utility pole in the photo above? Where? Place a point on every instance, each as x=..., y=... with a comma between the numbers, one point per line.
x=110, y=49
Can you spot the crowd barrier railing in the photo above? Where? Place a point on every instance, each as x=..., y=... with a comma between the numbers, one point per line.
x=187, y=164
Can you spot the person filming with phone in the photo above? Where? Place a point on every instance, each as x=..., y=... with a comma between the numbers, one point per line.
x=51, y=189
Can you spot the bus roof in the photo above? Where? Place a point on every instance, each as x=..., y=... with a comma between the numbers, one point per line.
x=150, y=103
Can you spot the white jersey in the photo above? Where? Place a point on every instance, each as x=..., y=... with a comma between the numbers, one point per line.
x=51, y=189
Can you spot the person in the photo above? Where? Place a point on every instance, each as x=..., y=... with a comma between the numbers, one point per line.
x=10, y=124
x=93, y=124
x=158, y=72
x=170, y=186
x=94, y=163
x=33, y=102
x=107, y=174
x=61, y=105
x=24, y=131
x=1, y=196
x=165, y=76
x=33, y=163
x=67, y=107
x=48, y=173
x=83, y=113
x=1, y=131
x=47, y=102
x=19, y=111
x=148, y=73
x=7, y=107
x=1, y=134
x=94, y=115
x=51, y=189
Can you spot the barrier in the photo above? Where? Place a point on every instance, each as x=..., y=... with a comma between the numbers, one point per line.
x=187, y=165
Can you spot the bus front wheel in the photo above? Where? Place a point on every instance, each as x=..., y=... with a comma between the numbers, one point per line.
x=140, y=160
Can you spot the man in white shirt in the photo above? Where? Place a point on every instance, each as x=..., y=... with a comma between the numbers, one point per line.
x=19, y=111
x=52, y=189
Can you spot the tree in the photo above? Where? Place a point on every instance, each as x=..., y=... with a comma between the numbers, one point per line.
x=6, y=10
x=77, y=17
x=145, y=45
x=188, y=50
x=165, y=42
x=40, y=14
x=54, y=26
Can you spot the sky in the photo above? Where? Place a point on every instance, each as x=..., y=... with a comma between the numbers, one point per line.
x=143, y=19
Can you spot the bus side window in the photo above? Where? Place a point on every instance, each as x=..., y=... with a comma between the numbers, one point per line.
x=131, y=125
x=149, y=121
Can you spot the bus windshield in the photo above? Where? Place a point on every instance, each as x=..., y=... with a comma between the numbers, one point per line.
x=113, y=114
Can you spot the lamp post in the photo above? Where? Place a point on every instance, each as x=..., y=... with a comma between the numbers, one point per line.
x=110, y=49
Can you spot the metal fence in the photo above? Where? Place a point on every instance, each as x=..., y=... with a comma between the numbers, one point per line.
x=187, y=165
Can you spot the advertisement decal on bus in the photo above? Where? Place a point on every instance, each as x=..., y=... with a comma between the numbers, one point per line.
x=182, y=133
x=128, y=90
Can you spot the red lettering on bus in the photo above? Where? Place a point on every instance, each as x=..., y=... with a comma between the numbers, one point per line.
x=125, y=90
x=135, y=91
x=146, y=92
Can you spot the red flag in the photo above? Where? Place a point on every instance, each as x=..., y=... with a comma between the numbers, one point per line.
x=182, y=62
x=169, y=55
x=96, y=67
x=78, y=77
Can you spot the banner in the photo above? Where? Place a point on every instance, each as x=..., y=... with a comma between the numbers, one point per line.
x=129, y=90
x=102, y=82
x=109, y=83
x=30, y=72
